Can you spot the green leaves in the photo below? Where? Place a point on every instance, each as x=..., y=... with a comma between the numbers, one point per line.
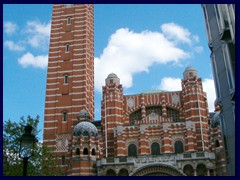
x=42, y=163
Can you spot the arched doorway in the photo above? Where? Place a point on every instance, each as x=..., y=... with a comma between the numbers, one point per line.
x=188, y=170
x=201, y=170
x=110, y=172
x=123, y=172
x=157, y=170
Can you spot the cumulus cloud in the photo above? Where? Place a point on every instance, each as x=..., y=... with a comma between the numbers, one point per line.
x=35, y=61
x=129, y=52
x=176, y=33
x=9, y=27
x=13, y=46
x=170, y=84
x=38, y=33
x=174, y=84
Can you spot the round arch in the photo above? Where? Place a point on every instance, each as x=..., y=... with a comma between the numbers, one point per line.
x=157, y=170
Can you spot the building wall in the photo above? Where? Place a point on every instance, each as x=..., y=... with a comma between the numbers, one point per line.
x=70, y=76
x=220, y=26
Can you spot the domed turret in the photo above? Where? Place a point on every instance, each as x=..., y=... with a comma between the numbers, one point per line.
x=83, y=115
x=112, y=79
x=85, y=129
x=190, y=73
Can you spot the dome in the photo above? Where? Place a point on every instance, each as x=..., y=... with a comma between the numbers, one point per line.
x=190, y=73
x=112, y=79
x=112, y=75
x=190, y=68
x=85, y=128
x=83, y=114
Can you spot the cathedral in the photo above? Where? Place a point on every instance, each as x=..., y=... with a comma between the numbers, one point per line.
x=154, y=133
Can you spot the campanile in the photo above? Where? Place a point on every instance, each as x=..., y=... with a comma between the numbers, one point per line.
x=70, y=75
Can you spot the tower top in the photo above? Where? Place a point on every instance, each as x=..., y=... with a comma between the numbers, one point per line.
x=190, y=73
x=112, y=79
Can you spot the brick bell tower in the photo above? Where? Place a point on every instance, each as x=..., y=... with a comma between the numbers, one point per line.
x=70, y=76
x=195, y=107
x=112, y=112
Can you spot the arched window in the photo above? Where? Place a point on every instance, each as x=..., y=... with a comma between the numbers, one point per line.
x=67, y=48
x=65, y=79
x=201, y=170
x=64, y=116
x=123, y=172
x=155, y=149
x=132, y=150
x=68, y=21
x=93, y=152
x=77, y=151
x=178, y=147
x=135, y=116
x=188, y=170
x=217, y=143
x=173, y=113
x=110, y=172
x=85, y=151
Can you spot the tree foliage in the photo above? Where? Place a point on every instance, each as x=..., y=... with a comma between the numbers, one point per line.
x=42, y=163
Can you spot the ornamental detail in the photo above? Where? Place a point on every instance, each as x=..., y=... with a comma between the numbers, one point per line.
x=175, y=99
x=130, y=102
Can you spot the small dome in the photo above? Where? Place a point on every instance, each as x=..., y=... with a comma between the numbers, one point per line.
x=112, y=79
x=85, y=128
x=190, y=68
x=190, y=72
x=112, y=75
x=83, y=114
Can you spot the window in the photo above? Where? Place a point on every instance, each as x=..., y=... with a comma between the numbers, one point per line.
x=173, y=113
x=66, y=79
x=132, y=150
x=190, y=74
x=64, y=116
x=155, y=149
x=85, y=151
x=135, y=116
x=77, y=151
x=63, y=160
x=217, y=143
x=67, y=48
x=93, y=152
x=154, y=109
x=68, y=21
x=178, y=147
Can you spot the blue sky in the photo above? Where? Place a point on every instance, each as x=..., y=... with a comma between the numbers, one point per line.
x=147, y=46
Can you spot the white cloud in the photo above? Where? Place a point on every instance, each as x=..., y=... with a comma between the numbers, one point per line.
x=35, y=61
x=175, y=32
x=38, y=33
x=9, y=27
x=13, y=46
x=209, y=88
x=128, y=53
x=170, y=84
x=174, y=84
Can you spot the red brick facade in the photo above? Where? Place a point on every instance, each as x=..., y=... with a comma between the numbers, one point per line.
x=152, y=133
